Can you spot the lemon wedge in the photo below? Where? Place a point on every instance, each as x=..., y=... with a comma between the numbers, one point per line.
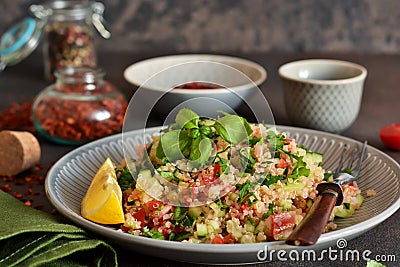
x=103, y=200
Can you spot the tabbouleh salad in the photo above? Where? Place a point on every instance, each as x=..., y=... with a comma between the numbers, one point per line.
x=222, y=181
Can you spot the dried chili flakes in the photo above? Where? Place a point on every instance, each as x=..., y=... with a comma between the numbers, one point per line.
x=17, y=117
x=79, y=107
x=25, y=186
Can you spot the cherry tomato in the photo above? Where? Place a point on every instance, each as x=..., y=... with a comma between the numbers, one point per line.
x=390, y=136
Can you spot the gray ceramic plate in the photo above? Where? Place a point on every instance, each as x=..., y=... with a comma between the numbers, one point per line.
x=69, y=178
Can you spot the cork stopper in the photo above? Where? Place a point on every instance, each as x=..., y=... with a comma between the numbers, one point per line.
x=19, y=151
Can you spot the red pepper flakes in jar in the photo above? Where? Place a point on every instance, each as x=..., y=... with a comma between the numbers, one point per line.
x=81, y=106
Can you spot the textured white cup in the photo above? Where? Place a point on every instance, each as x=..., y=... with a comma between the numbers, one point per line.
x=323, y=94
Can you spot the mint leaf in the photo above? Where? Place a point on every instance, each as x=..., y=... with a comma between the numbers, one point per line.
x=159, y=150
x=201, y=150
x=187, y=118
x=170, y=145
x=185, y=142
x=233, y=129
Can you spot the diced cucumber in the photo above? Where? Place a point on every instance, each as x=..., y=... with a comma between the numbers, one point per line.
x=221, y=213
x=213, y=226
x=249, y=226
x=313, y=157
x=195, y=211
x=214, y=206
x=201, y=229
x=343, y=212
x=149, y=184
x=217, y=209
x=261, y=225
x=360, y=199
x=286, y=204
x=295, y=186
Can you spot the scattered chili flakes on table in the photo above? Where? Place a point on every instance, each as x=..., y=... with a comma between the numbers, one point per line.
x=17, y=117
x=29, y=184
x=25, y=186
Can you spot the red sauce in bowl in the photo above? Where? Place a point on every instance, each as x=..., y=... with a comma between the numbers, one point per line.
x=198, y=85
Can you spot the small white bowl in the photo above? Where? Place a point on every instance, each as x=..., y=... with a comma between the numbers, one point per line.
x=323, y=94
x=156, y=78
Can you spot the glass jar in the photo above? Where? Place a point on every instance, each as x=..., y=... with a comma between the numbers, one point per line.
x=79, y=107
x=69, y=37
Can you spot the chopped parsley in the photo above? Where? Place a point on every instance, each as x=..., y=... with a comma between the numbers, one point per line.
x=125, y=178
x=245, y=192
x=153, y=233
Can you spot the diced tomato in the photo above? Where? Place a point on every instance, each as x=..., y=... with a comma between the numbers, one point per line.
x=350, y=189
x=210, y=177
x=278, y=224
x=282, y=164
x=390, y=136
x=229, y=239
x=245, y=206
x=154, y=204
x=217, y=170
x=207, y=178
x=140, y=216
x=218, y=239
x=166, y=231
x=194, y=190
x=190, y=193
x=167, y=208
x=124, y=228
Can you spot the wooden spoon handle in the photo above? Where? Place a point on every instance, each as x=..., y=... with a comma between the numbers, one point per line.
x=312, y=226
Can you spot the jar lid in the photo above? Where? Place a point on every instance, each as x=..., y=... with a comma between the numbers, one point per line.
x=69, y=10
x=19, y=41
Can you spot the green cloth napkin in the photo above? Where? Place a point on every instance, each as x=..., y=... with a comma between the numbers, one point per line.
x=29, y=237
